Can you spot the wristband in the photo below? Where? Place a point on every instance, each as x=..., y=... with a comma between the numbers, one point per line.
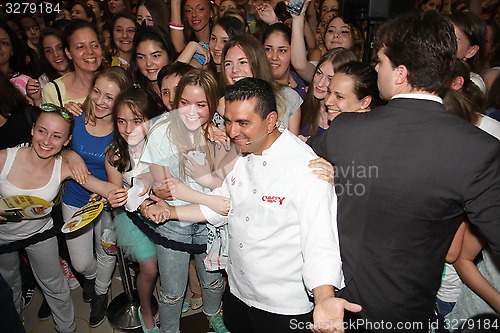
x=178, y=25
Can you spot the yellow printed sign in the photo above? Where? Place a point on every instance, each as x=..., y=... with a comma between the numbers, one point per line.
x=24, y=207
x=83, y=216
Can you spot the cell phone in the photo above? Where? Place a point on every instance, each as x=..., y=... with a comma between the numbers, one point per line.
x=198, y=156
x=295, y=6
x=12, y=216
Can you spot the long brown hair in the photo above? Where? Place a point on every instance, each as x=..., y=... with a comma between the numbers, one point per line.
x=177, y=132
x=144, y=106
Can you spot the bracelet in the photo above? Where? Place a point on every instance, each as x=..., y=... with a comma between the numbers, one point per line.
x=176, y=28
x=178, y=25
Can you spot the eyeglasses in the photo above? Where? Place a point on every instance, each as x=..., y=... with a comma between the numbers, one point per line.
x=49, y=107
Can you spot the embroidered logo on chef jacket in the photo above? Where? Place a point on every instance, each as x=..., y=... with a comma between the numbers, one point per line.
x=273, y=199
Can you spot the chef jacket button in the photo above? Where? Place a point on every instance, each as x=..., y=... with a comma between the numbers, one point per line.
x=230, y=262
x=241, y=245
x=239, y=184
x=247, y=219
x=230, y=237
x=264, y=163
x=254, y=190
x=242, y=271
x=232, y=211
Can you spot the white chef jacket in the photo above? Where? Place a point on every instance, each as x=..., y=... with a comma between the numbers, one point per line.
x=283, y=238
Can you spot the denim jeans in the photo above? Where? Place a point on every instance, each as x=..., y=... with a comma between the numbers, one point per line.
x=444, y=307
x=174, y=266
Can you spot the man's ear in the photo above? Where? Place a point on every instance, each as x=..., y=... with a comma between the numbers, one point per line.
x=272, y=119
x=401, y=74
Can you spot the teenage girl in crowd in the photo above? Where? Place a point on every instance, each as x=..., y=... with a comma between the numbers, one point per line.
x=314, y=118
x=224, y=5
x=223, y=29
x=470, y=30
x=276, y=42
x=81, y=11
x=132, y=110
x=154, y=13
x=32, y=29
x=169, y=142
x=55, y=63
x=208, y=56
x=98, y=8
x=153, y=51
x=168, y=79
x=342, y=34
x=118, y=6
x=92, y=134
x=46, y=170
x=191, y=23
x=243, y=56
x=123, y=29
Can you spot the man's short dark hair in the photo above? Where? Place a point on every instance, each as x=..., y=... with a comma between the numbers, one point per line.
x=425, y=43
x=249, y=88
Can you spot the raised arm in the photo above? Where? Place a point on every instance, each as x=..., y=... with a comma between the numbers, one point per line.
x=189, y=52
x=299, y=51
x=177, y=34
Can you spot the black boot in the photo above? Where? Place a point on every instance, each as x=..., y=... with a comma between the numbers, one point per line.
x=44, y=312
x=98, y=308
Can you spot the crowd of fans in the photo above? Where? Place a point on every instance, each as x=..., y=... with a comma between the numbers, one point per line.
x=124, y=72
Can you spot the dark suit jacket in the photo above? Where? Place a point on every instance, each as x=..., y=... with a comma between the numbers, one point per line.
x=406, y=173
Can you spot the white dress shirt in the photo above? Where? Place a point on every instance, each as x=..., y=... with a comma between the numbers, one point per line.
x=283, y=239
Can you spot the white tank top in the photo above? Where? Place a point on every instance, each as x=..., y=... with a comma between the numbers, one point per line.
x=13, y=231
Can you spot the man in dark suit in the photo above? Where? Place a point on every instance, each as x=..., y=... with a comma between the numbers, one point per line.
x=406, y=174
